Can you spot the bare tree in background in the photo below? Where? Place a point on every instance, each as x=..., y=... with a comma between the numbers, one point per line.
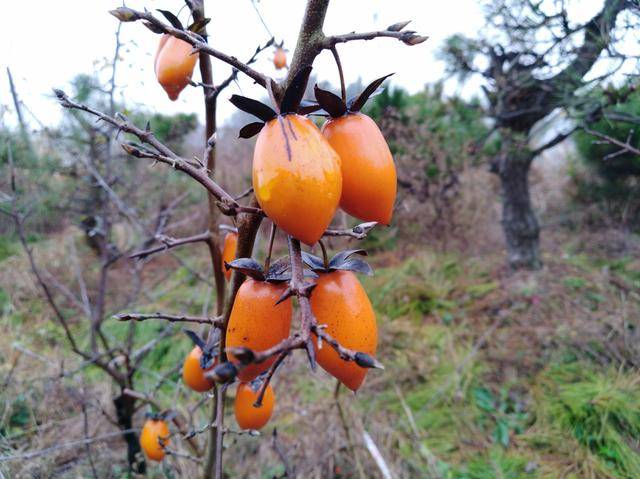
x=535, y=59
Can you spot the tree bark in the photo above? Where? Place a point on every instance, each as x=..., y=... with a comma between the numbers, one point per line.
x=125, y=407
x=519, y=222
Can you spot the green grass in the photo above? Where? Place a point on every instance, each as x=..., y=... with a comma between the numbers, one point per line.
x=597, y=412
x=497, y=463
x=421, y=285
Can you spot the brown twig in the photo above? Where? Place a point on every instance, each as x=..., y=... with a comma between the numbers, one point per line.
x=168, y=242
x=358, y=232
x=172, y=318
x=272, y=237
x=408, y=37
x=624, y=146
x=343, y=88
x=50, y=450
x=267, y=379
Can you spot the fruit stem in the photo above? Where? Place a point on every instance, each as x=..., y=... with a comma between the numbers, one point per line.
x=343, y=88
x=325, y=257
x=272, y=237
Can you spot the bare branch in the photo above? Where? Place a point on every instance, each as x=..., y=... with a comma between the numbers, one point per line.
x=172, y=318
x=168, y=242
x=625, y=146
x=50, y=450
x=559, y=138
x=358, y=232
x=267, y=380
x=165, y=155
x=407, y=37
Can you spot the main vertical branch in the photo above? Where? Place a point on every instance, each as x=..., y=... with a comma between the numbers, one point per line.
x=206, y=74
x=213, y=463
x=310, y=38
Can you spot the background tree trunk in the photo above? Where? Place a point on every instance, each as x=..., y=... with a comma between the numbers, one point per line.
x=125, y=407
x=519, y=222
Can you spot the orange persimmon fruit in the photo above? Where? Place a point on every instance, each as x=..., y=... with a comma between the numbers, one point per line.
x=279, y=58
x=193, y=374
x=368, y=172
x=340, y=302
x=257, y=323
x=174, y=65
x=229, y=252
x=154, y=435
x=296, y=177
x=247, y=415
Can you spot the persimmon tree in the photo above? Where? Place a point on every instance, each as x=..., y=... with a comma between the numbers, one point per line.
x=300, y=177
x=535, y=59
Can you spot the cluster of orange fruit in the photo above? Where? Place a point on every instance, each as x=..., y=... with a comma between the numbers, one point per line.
x=301, y=175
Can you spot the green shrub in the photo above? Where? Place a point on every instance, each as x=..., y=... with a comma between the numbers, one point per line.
x=614, y=179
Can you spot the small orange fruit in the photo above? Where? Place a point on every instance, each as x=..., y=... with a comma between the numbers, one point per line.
x=340, y=302
x=174, y=65
x=229, y=252
x=154, y=435
x=193, y=374
x=296, y=177
x=369, y=181
x=257, y=323
x=247, y=415
x=280, y=58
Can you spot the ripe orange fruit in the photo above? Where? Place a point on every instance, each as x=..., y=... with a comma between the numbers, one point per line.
x=257, y=323
x=174, y=65
x=296, y=177
x=247, y=415
x=280, y=59
x=193, y=374
x=368, y=172
x=229, y=252
x=340, y=302
x=153, y=432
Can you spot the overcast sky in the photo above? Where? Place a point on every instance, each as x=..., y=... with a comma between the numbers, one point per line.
x=67, y=37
